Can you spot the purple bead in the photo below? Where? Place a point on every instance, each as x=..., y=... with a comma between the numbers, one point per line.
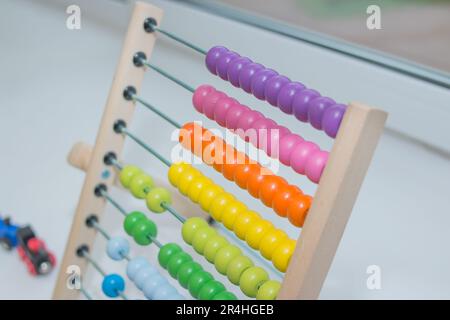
x=223, y=62
x=273, y=87
x=234, y=68
x=211, y=57
x=300, y=103
x=316, y=109
x=332, y=118
x=286, y=95
x=246, y=74
x=259, y=81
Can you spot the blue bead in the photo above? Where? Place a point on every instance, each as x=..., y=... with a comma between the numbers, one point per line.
x=175, y=296
x=113, y=285
x=143, y=274
x=135, y=265
x=117, y=248
x=164, y=292
x=152, y=284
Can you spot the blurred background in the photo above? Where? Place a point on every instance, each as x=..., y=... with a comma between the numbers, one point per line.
x=55, y=82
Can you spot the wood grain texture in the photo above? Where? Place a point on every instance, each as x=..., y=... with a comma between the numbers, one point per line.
x=107, y=140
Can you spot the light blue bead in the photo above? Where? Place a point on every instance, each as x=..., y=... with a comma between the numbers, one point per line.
x=164, y=292
x=112, y=285
x=152, y=284
x=117, y=248
x=143, y=274
x=175, y=296
x=135, y=265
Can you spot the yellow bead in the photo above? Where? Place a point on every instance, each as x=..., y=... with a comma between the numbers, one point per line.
x=282, y=254
x=207, y=196
x=175, y=171
x=185, y=180
x=270, y=241
x=243, y=221
x=231, y=212
x=197, y=186
x=219, y=204
x=127, y=173
x=256, y=231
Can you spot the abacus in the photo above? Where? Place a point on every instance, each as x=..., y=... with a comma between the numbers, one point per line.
x=302, y=263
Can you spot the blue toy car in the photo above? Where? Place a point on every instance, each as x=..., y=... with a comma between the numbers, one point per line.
x=8, y=234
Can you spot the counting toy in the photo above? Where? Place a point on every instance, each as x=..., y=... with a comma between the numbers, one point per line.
x=31, y=249
x=247, y=252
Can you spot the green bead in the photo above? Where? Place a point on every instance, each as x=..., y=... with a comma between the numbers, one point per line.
x=156, y=197
x=131, y=219
x=176, y=261
x=127, y=173
x=202, y=237
x=236, y=268
x=213, y=245
x=197, y=281
x=186, y=271
x=269, y=290
x=210, y=289
x=143, y=231
x=140, y=185
x=166, y=252
x=252, y=279
x=190, y=227
x=224, y=257
x=224, y=295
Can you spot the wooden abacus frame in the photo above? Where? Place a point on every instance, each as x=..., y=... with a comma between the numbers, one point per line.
x=336, y=193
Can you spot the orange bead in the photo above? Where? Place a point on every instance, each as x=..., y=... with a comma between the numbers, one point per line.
x=255, y=179
x=190, y=137
x=242, y=173
x=213, y=152
x=281, y=199
x=229, y=166
x=298, y=209
x=269, y=187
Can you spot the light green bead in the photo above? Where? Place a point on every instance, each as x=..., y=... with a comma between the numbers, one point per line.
x=190, y=227
x=213, y=245
x=269, y=290
x=236, y=268
x=140, y=185
x=224, y=257
x=156, y=197
x=201, y=237
x=252, y=279
x=127, y=173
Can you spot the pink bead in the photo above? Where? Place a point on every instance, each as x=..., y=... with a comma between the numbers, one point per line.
x=221, y=109
x=262, y=126
x=315, y=165
x=301, y=154
x=199, y=94
x=233, y=115
x=287, y=144
x=209, y=103
x=283, y=131
x=245, y=123
x=272, y=143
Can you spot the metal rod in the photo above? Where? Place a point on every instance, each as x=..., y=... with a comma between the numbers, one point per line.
x=173, y=212
x=155, y=241
x=94, y=264
x=169, y=76
x=114, y=203
x=85, y=293
x=116, y=164
x=180, y=40
x=159, y=113
x=146, y=147
x=102, y=231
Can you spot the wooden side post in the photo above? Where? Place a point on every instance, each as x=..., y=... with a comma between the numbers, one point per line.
x=107, y=140
x=333, y=202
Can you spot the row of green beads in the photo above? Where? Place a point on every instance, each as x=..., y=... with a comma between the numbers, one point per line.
x=229, y=260
x=191, y=275
x=141, y=228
